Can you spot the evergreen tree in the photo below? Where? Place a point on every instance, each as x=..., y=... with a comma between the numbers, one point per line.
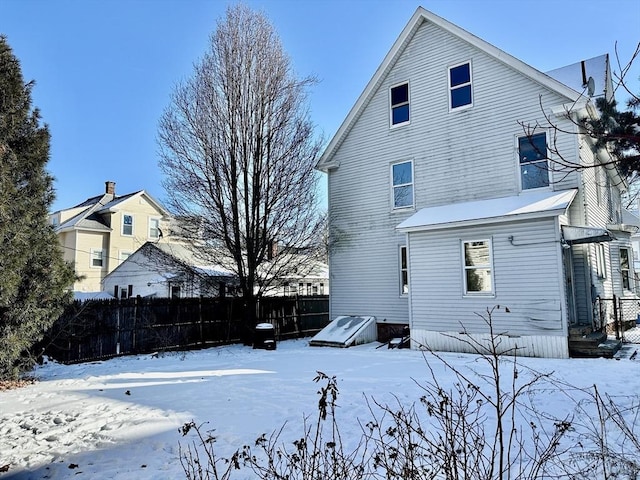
x=33, y=275
x=618, y=131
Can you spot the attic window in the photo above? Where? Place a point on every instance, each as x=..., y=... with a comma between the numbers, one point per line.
x=400, y=104
x=460, y=86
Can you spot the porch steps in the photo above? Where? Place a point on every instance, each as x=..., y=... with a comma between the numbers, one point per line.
x=592, y=345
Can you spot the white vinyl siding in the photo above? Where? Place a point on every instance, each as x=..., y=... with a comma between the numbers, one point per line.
x=467, y=156
x=535, y=299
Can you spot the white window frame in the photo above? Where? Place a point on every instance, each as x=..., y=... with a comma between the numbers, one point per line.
x=452, y=88
x=393, y=187
x=132, y=225
x=626, y=272
x=488, y=266
x=547, y=159
x=392, y=106
x=601, y=263
x=404, y=287
x=94, y=254
x=151, y=220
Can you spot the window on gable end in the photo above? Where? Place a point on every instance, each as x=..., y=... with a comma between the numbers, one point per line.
x=460, y=91
x=533, y=159
x=154, y=228
x=127, y=224
x=400, y=104
x=402, y=184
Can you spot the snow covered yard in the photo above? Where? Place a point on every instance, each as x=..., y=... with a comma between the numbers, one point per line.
x=119, y=419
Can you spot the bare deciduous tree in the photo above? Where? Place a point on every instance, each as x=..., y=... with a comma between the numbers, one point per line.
x=238, y=152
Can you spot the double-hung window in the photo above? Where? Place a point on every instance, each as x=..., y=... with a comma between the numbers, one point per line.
x=534, y=167
x=127, y=224
x=96, y=258
x=154, y=228
x=477, y=267
x=402, y=184
x=460, y=91
x=400, y=104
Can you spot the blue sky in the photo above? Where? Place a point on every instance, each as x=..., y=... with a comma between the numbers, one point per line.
x=104, y=70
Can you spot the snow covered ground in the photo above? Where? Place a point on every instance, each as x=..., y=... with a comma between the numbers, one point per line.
x=119, y=419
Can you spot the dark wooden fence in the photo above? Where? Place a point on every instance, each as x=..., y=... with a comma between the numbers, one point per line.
x=101, y=329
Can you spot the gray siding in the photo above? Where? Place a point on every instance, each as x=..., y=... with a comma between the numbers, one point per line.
x=527, y=278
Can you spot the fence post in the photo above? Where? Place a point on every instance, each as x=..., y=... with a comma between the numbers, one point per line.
x=135, y=324
x=200, y=319
x=616, y=320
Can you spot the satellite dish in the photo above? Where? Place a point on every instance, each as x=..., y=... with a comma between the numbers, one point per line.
x=591, y=87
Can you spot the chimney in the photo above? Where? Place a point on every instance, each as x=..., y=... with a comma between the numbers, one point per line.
x=110, y=187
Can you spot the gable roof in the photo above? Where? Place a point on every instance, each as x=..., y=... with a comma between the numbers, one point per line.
x=421, y=16
x=173, y=256
x=518, y=207
x=91, y=218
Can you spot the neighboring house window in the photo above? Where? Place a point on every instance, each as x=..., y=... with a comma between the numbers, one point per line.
x=402, y=184
x=477, y=267
x=300, y=288
x=625, y=269
x=96, y=258
x=404, y=271
x=175, y=291
x=400, y=104
x=315, y=289
x=308, y=289
x=293, y=289
x=286, y=289
x=601, y=265
x=534, y=168
x=322, y=289
x=127, y=224
x=154, y=228
x=460, y=86
x=124, y=256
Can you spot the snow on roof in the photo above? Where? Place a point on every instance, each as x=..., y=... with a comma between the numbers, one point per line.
x=528, y=204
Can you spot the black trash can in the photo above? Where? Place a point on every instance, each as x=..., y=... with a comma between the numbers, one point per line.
x=264, y=336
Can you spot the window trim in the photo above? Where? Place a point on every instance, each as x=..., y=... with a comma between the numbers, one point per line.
x=393, y=187
x=519, y=164
x=451, y=87
x=403, y=249
x=92, y=253
x=489, y=266
x=152, y=219
x=628, y=270
x=601, y=263
x=124, y=214
x=392, y=106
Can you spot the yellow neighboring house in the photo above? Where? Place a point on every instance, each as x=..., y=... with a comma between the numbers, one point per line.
x=100, y=233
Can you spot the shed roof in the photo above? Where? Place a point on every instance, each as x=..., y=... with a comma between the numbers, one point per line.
x=526, y=205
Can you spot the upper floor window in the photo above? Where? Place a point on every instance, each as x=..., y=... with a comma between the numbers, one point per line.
x=477, y=267
x=404, y=271
x=402, y=184
x=460, y=94
x=534, y=168
x=127, y=224
x=96, y=258
x=154, y=228
x=400, y=104
x=601, y=263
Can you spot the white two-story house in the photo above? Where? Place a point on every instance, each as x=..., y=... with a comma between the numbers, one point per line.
x=455, y=184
